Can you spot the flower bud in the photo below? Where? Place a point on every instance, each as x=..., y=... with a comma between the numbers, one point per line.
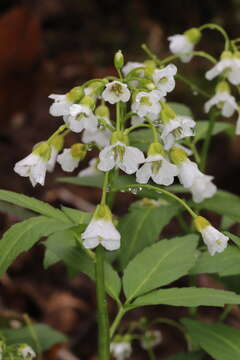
x=102, y=111
x=118, y=60
x=193, y=35
x=79, y=151
x=178, y=155
x=226, y=55
x=223, y=86
x=155, y=149
x=43, y=150
x=88, y=101
x=75, y=94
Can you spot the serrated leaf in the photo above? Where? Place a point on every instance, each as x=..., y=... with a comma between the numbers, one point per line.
x=159, y=265
x=218, y=340
x=202, y=127
x=223, y=203
x=32, y=204
x=190, y=297
x=78, y=261
x=142, y=226
x=46, y=336
x=22, y=236
x=181, y=109
x=225, y=263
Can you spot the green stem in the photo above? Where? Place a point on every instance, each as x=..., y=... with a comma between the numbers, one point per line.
x=127, y=131
x=103, y=325
x=225, y=312
x=151, y=354
x=220, y=29
x=193, y=86
x=159, y=190
x=105, y=188
x=57, y=132
x=207, y=140
x=34, y=335
x=202, y=54
x=118, y=318
x=118, y=116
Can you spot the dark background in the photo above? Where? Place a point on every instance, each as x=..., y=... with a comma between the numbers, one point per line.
x=50, y=46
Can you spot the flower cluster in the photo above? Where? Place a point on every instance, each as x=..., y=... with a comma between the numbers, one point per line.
x=140, y=97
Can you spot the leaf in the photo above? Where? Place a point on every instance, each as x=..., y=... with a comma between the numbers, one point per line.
x=10, y=209
x=234, y=238
x=142, y=226
x=22, y=236
x=196, y=355
x=47, y=336
x=78, y=261
x=218, y=340
x=32, y=204
x=190, y=296
x=225, y=263
x=159, y=264
x=223, y=203
x=181, y=109
x=141, y=139
x=77, y=216
x=202, y=127
x=227, y=222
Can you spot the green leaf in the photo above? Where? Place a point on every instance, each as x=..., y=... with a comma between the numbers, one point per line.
x=22, y=236
x=223, y=203
x=47, y=336
x=196, y=355
x=225, y=263
x=218, y=340
x=142, y=226
x=78, y=261
x=10, y=209
x=32, y=204
x=234, y=238
x=190, y=296
x=141, y=139
x=181, y=109
x=159, y=265
x=77, y=216
x=202, y=127
x=97, y=180
x=227, y=222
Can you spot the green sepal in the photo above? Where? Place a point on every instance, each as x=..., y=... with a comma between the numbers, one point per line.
x=193, y=35
x=43, y=150
x=155, y=149
x=177, y=155
x=75, y=94
x=79, y=151
x=200, y=223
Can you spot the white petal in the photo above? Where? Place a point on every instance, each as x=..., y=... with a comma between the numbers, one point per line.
x=144, y=173
x=202, y=188
x=107, y=159
x=166, y=173
x=53, y=158
x=131, y=160
x=188, y=171
x=214, y=239
x=91, y=243
x=67, y=162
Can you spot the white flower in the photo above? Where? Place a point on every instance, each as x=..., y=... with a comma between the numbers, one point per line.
x=34, y=167
x=53, y=158
x=188, y=171
x=101, y=231
x=116, y=91
x=131, y=66
x=237, y=131
x=26, y=352
x=146, y=103
x=67, y=161
x=159, y=169
x=127, y=158
x=230, y=67
x=137, y=120
x=81, y=117
x=202, y=188
x=60, y=106
x=224, y=101
x=164, y=78
x=214, y=239
x=121, y=350
x=151, y=339
x=176, y=129
x=100, y=136
x=180, y=44
x=91, y=169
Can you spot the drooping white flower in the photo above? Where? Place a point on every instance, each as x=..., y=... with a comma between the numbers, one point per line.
x=229, y=66
x=60, y=106
x=131, y=65
x=56, y=146
x=119, y=155
x=176, y=129
x=188, y=171
x=164, y=79
x=214, y=239
x=91, y=169
x=101, y=137
x=137, y=120
x=146, y=103
x=151, y=339
x=116, y=91
x=101, y=231
x=26, y=352
x=34, y=165
x=159, y=169
x=237, y=130
x=70, y=158
x=121, y=350
x=184, y=43
x=81, y=117
x=202, y=187
x=224, y=101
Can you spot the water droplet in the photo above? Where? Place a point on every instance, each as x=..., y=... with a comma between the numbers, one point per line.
x=129, y=189
x=195, y=92
x=140, y=189
x=134, y=191
x=122, y=191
